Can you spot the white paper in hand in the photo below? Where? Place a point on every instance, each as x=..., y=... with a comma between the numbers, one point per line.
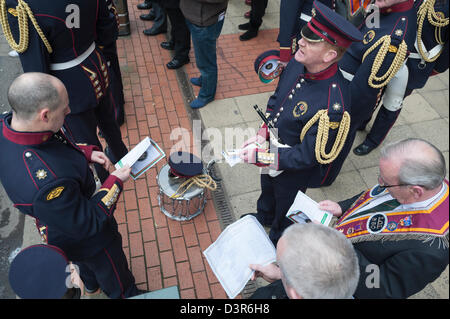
x=305, y=208
x=242, y=243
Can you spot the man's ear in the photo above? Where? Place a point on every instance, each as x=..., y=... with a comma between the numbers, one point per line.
x=292, y=294
x=417, y=191
x=331, y=55
x=43, y=114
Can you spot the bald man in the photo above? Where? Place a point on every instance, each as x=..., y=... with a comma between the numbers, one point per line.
x=47, y=176
x=314, y=262
x=399, y=227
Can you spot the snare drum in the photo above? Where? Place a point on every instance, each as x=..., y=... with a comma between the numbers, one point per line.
x=186, y=207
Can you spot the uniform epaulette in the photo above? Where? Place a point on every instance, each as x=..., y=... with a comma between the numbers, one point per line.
x=334, y=117
x=436, y=19
x=393, y=44
x=22, y=12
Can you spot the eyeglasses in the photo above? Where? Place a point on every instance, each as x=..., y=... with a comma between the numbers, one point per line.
x=383, y=185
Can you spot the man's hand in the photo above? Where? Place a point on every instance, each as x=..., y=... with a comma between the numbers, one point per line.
x=101, y=158
x=122, y=173
x=269, y=273
x=331, y=207
x=248, y=154
x=255, y=139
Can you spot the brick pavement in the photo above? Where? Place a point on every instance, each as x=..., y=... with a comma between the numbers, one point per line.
x=163, y=252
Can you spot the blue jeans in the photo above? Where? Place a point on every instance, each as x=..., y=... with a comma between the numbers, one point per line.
x=205, y=40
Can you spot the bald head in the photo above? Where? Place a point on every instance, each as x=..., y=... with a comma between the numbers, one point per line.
x=31, y=92
x=418, y=161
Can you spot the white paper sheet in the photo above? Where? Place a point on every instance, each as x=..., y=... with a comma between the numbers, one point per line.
x=304, y=205
x=232, y=156
x=153, y=155
x=242, y=243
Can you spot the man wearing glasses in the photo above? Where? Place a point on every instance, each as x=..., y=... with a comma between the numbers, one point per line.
x=400, y=226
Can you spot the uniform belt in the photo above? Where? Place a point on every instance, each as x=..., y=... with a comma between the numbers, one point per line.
x=74, y=62
x=347, y=75
x=431, y=54
x=305, y=17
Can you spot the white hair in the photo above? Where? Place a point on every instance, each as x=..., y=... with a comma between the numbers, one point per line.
x=319, y=262
x=421, y=162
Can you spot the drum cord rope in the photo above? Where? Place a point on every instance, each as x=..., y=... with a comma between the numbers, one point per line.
x=436, y=19
x=322, y=135
x=202, y=181
x=23, y=12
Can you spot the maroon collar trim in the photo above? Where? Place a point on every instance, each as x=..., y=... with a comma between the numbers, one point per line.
x=324, y=74
x=24, y=138
x=399, y=7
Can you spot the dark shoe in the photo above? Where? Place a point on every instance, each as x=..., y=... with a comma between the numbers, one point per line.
x=250, y=34
x=176, y=64
x=256, y=216
x=363, y=149
x=245, y=26
x=148, y=17
x=196, y=81
x=152, y=31
x=168, y=45
x=247, y=15
x=144, y=6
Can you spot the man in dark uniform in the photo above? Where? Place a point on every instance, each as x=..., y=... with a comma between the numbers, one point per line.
x=377, y=62
x=112, y=59
x=47, y=176
x=432, y=58
x=312, y=99
x=65, y=42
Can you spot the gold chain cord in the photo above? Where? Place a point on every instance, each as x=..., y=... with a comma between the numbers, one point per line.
x=397, y=62
x=322, y=135
x=202, y=181
x=435, y=19
x=23, y=13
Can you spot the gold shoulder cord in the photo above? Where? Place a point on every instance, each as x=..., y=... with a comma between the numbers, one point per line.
x=202, y=181
x=435, y=19
x=400, y=55
x=322, y=135
x=23, y=13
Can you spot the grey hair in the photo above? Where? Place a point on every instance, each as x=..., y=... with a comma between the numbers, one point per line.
x=31, y=92
x=421, y=162
x=319, y=262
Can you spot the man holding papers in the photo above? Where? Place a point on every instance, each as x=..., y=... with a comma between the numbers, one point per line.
x=314, y=262
x=311, y=111
x=400, y=225
x=47, y=176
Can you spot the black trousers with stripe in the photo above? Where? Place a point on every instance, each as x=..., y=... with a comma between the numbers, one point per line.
x=109, y=271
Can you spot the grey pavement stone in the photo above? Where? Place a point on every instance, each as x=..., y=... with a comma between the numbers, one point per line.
x=417, y=109
x=435, y=131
